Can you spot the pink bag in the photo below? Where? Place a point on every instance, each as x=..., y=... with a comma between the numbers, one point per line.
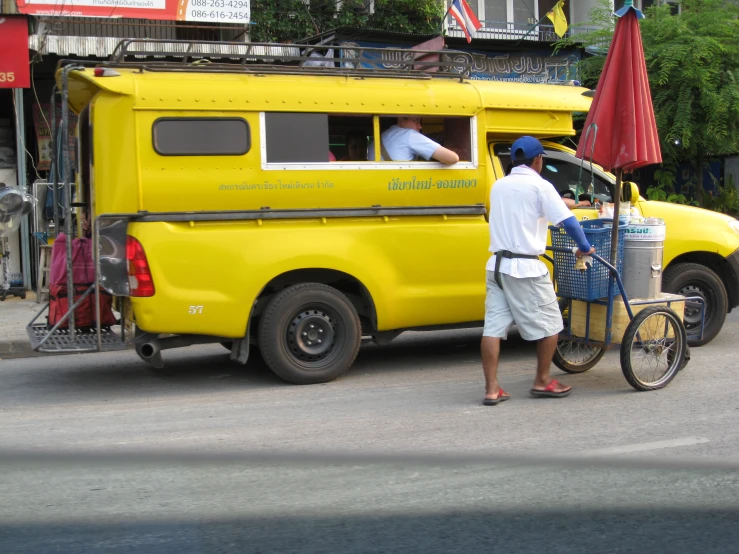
x=83, y=267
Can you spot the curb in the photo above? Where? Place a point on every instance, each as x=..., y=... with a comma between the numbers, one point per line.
x=14, y=349
x=18, y=349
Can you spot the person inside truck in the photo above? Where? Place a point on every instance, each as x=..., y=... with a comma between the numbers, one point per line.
x=405, y=142
x=571, y=204
x=356, y=146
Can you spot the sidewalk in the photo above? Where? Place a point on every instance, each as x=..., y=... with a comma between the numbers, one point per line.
x=14, y=316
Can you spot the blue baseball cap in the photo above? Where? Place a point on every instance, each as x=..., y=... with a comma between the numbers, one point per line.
x=526, y=148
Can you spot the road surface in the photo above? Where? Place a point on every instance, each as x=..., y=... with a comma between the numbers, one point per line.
x=190, y=477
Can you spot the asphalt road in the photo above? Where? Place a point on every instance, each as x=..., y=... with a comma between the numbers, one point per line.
x=416, y=399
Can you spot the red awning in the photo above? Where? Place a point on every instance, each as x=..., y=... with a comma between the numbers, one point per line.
x=15, y=69
x=622, y=108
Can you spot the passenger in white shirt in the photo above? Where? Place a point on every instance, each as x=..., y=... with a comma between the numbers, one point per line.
x=404, y=142
x=522, y=205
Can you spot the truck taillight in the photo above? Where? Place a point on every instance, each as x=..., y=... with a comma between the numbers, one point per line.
x=139, y=274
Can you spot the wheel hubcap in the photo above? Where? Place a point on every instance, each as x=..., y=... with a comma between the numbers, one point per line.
x=692, y=317
x=311, y=334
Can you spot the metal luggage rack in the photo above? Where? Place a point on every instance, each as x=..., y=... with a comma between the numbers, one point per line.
x=65, y=335
x=85, y=340
x=289, y=59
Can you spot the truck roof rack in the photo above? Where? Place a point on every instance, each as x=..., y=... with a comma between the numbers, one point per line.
x=347, y=59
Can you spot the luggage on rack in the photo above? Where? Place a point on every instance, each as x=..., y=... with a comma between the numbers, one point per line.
x=83, y=276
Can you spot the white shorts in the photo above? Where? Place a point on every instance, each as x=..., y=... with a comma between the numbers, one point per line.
x=529, y=302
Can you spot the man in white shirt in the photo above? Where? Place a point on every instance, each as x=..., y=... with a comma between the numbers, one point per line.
x=404, y=142
x=519, y=290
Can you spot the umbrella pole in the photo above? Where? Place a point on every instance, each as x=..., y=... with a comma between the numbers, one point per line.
x=614, y=228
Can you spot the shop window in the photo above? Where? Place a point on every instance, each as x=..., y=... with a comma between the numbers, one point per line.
x=201, y=136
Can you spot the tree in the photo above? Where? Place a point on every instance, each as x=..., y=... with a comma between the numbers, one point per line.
x=693, y=64
x=293, y=20
x=408, y=16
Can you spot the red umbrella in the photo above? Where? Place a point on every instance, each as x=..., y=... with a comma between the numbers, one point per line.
x=620, y=130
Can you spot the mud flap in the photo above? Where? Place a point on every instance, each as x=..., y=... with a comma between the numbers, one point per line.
x=240, y=350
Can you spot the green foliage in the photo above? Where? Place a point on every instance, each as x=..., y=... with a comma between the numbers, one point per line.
x=693, y=65
x=595, y=37
x=408, y=16
x=664, y=194
x=664, y=188
x=693, y=61
x=726, y=199
x=294, y=20
x=353, y=13
x=281, y=21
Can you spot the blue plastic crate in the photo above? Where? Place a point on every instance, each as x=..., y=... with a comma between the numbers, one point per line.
x=591, y=284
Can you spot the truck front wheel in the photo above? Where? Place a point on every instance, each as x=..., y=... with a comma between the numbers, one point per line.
x=309, y=333
x=698, y=281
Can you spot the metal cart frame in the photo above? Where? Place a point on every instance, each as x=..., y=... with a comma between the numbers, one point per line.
x=634, y=337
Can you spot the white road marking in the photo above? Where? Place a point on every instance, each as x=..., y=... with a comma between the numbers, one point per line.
x=644, y=446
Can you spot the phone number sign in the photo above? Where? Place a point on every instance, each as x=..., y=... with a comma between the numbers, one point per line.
x=14, y=66
x=213, y=11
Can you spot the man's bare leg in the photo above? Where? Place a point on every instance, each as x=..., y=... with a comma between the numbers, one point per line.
x=544, y=353
x=490, y=349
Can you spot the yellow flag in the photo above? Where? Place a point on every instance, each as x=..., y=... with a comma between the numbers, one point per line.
x=557, y=16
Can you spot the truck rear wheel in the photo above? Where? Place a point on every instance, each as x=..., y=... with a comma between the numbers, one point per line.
x=697, y=280
x=309, y=333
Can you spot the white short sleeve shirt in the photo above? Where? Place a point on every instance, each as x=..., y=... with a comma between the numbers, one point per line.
x=405, y=144
x=522, y=205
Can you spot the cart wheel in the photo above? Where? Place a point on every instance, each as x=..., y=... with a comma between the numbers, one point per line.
x=653, y=348
x=575, y=357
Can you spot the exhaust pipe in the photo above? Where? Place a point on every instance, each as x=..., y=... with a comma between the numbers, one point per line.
x=150, y=352
x=149, y=347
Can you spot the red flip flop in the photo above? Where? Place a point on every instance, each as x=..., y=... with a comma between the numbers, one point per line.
x=502, y=397
x=550, y=392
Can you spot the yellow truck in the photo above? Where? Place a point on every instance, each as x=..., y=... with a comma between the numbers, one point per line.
x=225, y=207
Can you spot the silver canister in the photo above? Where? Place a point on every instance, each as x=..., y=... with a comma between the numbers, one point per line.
x=643, y=249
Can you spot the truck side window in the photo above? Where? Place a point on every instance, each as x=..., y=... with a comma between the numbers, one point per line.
x=201, y=136
x=349, y=137
x=563, y=174
x=454, y=133
x=296, y=137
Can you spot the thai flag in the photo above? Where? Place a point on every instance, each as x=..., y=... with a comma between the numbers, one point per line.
x=465, y=17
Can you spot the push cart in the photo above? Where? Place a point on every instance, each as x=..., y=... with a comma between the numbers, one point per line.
x=598, y=315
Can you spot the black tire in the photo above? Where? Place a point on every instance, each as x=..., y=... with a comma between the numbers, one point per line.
x=295, y=325
x=563, y=358
x=675, y=358
x=698, y=280
x=570, y=365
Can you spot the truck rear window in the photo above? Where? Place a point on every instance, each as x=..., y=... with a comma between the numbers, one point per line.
x=200, y=136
